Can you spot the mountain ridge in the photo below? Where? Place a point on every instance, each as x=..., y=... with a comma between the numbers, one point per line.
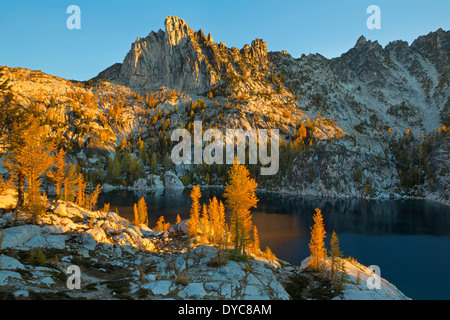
x=182, y=59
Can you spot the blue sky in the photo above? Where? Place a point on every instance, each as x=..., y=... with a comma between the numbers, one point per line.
x=34, y=34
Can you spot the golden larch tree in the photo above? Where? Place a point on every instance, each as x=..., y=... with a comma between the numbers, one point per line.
x=240, y=198
x=69, y=182
x=221, y=226
x=195, y=211
x=136, y=215
x=32, y=158
x=256, y=244
x=161, y=224
x=58, y=172
x=317, y=244
x=140, y=212
x=91, y=199
x=216, y=211
x=204, y=224
x=81, y=186
x=105, y=208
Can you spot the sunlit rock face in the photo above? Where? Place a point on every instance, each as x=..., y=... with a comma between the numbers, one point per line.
x=400, y=86
x=181, y=59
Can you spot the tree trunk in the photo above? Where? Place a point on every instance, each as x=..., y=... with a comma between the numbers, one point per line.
x=236, y=237
x=20, y=194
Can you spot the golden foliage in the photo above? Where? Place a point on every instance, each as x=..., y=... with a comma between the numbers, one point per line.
x=240, y=198
x=31, y=158
x=140, y=212
x=105, y=208
x=195, y=211
x=81, y=186
x=317, y=244
x=58, y=174
x=91, y=199
x=162, y=225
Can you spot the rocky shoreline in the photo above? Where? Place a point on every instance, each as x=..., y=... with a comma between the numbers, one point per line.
x=142, y=186
x=120, y=261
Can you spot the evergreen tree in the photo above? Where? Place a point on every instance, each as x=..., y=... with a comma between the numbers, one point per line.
x=113, y=169
x=167, y=162
x=153, y=163
x=335, y=256
x=135, y=170
x=343, y=277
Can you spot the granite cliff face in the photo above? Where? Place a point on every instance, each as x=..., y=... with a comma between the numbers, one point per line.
x=181, y=59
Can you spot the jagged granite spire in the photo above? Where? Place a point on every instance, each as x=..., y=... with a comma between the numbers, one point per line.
x=182, y=59
x=176, y=30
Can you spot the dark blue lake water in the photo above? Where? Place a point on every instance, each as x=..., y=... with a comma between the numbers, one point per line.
x=408, y=239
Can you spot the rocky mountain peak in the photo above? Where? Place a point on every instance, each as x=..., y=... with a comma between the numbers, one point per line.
x=360, y=42
x=257, y=50
x=176, y=30
x=172, y=23
x=182, y=59
x=368, y=45
x=397, y=45
x=434, y=43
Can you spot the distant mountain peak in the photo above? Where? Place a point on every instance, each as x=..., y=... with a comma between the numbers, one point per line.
x=361, y=42
x=436, y=42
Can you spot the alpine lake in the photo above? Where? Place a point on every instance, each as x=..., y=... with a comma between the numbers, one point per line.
x=409, y=240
